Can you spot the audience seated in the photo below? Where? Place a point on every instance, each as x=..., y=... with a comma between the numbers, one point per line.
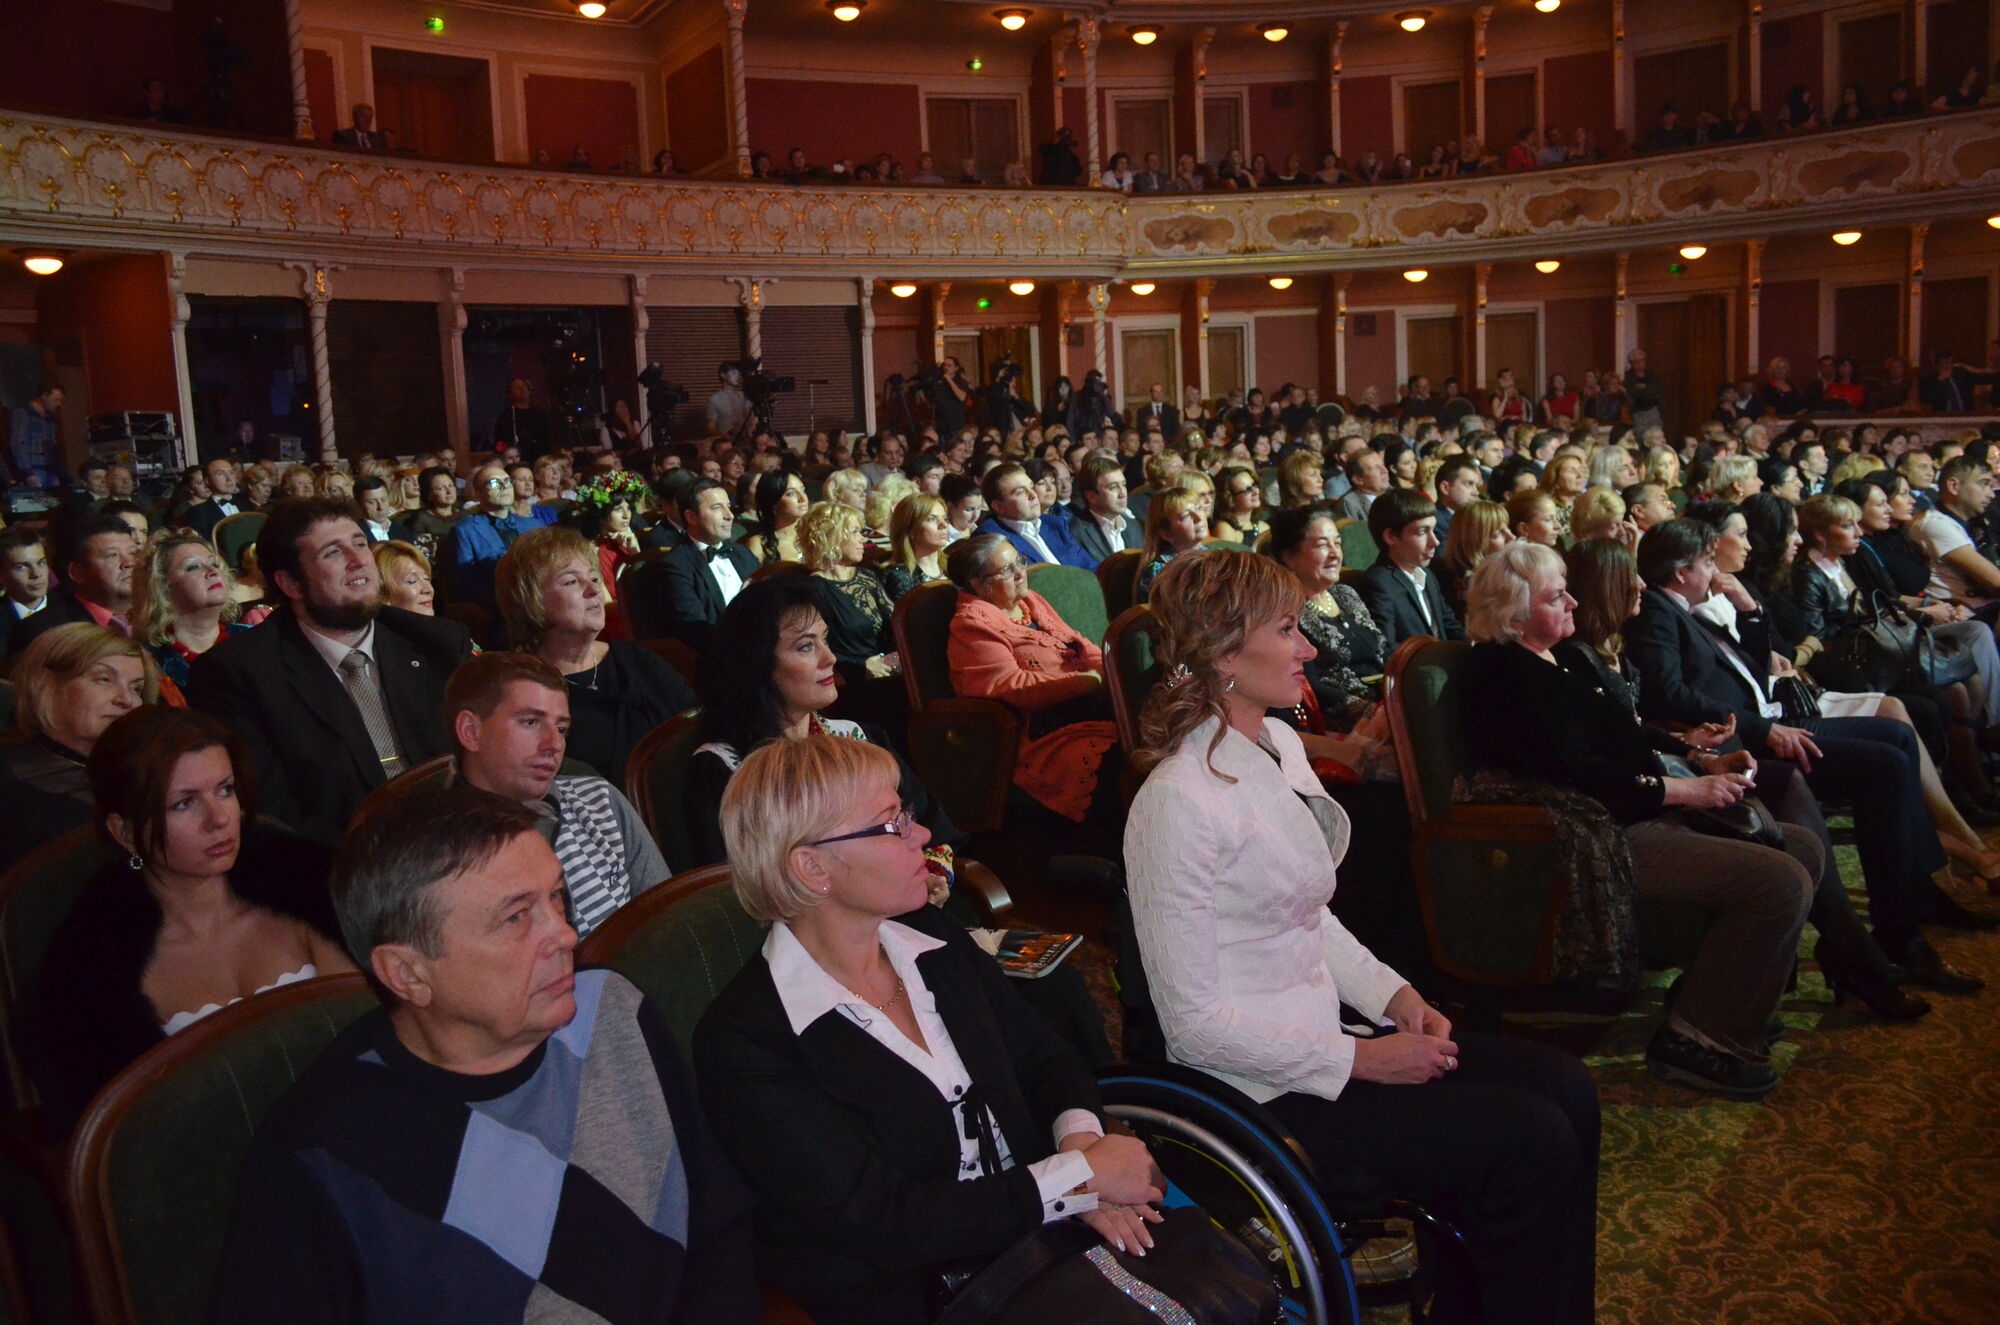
x=223, y=480
x=205, y=907
x=1175, y=524
x=431, y=524
x=552, y=598
x=780, y=500
x=919, y=532
x=1100, y=518
x=689, y=589
x=1232, y=850
x=482, y=536
x=856, y=607
x=1399, y=589
x=70, y=684
x=98, y=583
x=510, y=721
x=24, y=578
x=862, y=1180
x=1015, y=514
x=1349, y=650
x=183, y=602
x=406, y=577
x=507, y=1136
x=335, y=693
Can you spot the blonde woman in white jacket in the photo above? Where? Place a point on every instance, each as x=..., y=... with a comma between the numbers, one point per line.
x=1231, y=851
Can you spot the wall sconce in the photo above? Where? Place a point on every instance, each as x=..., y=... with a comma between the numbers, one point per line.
x=1415, y=274
x=1145, y=36
x=1693, y=252
x=1413, y=20
x=1275, y=31
x=903, y=289
x=1846, y=237
x=42, y=264
x=1548, y=266
x=1021, y=287
x=1281, y=282
x=1143, y=288
x=1012, y=19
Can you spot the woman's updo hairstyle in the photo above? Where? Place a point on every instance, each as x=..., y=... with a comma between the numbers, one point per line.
x=1205, y=604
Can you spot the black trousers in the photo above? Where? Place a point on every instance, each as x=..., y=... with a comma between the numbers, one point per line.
x=1872, y=764
x=1505, y=1148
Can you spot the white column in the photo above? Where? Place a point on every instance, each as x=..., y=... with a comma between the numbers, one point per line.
x=186, y=449
x=1203, y=285
x=1920, y=61
x=938, y=293
x=1340, y=283
x=1087, y=31
x=317, y=294
x=752, y=296
x=1481, y=16
x=1753, y=56
x=642, y=321
x=1100, y=299
x=1480, y=274
x=302, y=120
x=451, y=352
x=1622, y=333
x=1753, y=300
x=739, y=101
x=1334, y=43
x=1058, y=75
x=1621, y=73
x=864, y=294
x=1200, y=149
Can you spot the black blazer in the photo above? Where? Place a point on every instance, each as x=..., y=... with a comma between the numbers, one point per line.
x=204, y=516
x=853, y=1154
x=1090, y=535
x=1392, y=601
x=310, y=756
x=61, y=610
x=679, y=594
x=1684, y=673
x=1170, y=419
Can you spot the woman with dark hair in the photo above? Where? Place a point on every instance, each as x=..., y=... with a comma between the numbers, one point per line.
x=203, y=907
x=1800, y=113
x=603, y=513
x=428, y=527
x=1854, y=107
x=1966, y=93
x=1059, y=402
x=781, y=503
x=1902, y=101
x=1345, y=672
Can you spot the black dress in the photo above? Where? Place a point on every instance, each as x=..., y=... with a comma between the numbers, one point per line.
x=857, y=613
x=1350, y=647
x=615, y=704
x=1906, y=563
x=46, y=792
x=899, y=580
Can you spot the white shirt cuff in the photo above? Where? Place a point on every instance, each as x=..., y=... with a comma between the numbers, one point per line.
x=1071, y=1121
x=1055, y=1177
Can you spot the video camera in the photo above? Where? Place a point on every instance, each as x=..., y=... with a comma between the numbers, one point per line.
x=1006, y=370
x=661, y=395
x=759, y=385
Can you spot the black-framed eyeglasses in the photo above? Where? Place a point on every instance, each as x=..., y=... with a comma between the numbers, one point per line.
x=896, y=827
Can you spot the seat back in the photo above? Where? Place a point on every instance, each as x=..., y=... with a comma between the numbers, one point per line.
x=154, y=1164
x=922, y=627
x=233, y=533
x=6, y=705
x=1118, y=576
x=1130, y=670
x=640, y=588
x=656, y=784
x=1357, y=545
x=1075, y=594
x=35, y=899
x=680, y=943
x=1422, y=693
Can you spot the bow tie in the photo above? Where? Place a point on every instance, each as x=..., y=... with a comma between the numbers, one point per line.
x=711, y=553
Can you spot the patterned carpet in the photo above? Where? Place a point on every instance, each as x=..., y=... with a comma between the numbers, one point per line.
x=1866, y=1189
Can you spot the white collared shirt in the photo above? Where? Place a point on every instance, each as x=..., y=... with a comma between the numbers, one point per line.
x=1032, y=531
x=809, y=993
x=334, y=651
x=1719, y=611
x=728, y=580
x=1113, y=527
x=1416, y=579
x=1836, y=572
x=22, y=611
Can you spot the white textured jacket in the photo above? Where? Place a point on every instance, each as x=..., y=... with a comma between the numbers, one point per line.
x=1229, y=886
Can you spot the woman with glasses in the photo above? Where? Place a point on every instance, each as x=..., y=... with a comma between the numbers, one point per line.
x=867, y=1175
x=1239, y=504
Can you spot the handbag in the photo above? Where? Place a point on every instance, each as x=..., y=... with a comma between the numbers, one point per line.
x=1945, y=660
x=1064, y=1272
x=1880, y=652
x=1796, y=696
x=1749, y=820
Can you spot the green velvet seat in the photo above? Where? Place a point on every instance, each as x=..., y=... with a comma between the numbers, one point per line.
x=962, y=748
x=1118, y=576
x=35, y=899
x=1130, y=670
x=680, y=943
x=656, y=784
x=154, y=1165
x=1357, y=545
x=235, y=532
x=1076, y=596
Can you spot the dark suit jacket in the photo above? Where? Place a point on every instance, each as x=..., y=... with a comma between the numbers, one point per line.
x=1090, y=536
x=1684, y=673
x=203, y=517
x=1931, y=390
x=352, y=138
x=1170, y=419
x=309, y=750
x=677, y=595
x=854, y=1156
x=61, y=609
x=1392, y=601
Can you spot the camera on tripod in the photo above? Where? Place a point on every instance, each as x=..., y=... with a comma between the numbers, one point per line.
x=1006, y=370
x=759, y=385
x=661, y=395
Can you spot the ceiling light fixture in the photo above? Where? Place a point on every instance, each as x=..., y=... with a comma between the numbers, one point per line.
x=1145, y=36
x=1143, y=288
x=1993, y=221
x=1281, y=282
x=847, y=10
x=1275, y=31
x=591, y=8
x=1415, y=274
x=1012, y=19
x=1413, y=20
x=1693, y=252
x=1548, y=6
x=42, y=264
x=1548, y=266
x=1020, y=287
x=1846, y=237
x=903, y=289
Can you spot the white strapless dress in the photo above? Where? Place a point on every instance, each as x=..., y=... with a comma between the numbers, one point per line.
x=180, y=1021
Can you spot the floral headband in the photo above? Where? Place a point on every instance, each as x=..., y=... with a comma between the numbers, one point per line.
x=607, y=490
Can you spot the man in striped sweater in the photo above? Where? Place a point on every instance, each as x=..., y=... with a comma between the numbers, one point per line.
x=509, y=716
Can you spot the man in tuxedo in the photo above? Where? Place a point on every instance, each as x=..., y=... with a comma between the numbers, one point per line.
x=1015, y=513
x=1100, y=520
x=363, y=134
x=222, y=503
x=334, y=694
x=686, y=591
x=1402, y=595
x=1947, y=388
x=100, y=583
x=1158, y=412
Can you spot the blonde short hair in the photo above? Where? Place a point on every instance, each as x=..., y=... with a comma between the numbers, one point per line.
x=389, y=552
x=786, y=795
x=517, y=580
x=1502, y=590
x=822, y=529
x=152, y=607
x=1729, y=471
x=842, y=481
x=1595, y=514
x=60, y=655
x=888, y=495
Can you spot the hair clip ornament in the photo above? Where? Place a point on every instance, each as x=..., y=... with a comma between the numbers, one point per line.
x=1177, y=674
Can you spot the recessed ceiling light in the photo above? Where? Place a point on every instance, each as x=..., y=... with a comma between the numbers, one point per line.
x=847, y=10
x=1413, y=20
x=1281, y=282
x=1548, y=266
x=1276, y=32
x=1415, y=274
x=1548, y=6
x=1020, y=287
x=1145, y=36
x=1143, y=288
x=1693, y=252
x=903, y=289
x=43, y=264
x=1993, y=221
x=1846, y=237
x=1012, y=19
x=591, y=8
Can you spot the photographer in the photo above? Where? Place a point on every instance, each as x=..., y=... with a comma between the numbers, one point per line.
x=949, y=393
x=1005, y=409
x=728, y=408
x=1090, y=410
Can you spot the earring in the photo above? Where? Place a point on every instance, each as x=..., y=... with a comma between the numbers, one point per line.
x=1229, y=685
x=136, y=862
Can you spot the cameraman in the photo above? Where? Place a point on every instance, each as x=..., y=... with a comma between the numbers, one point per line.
x=1090, y=409
x=729, y=408
x=948, y=397
x=1005, y=409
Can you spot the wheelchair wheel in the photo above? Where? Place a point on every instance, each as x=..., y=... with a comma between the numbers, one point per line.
x=1235, y=1168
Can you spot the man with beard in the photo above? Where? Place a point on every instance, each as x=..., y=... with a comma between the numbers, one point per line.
x=334, y=694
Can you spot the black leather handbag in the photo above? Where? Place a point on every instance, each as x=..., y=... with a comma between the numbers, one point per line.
x=1883, y=650
x=1063, y=1272
x=1749, y=820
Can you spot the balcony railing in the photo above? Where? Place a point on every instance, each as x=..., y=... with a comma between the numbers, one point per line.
x=71, y=182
